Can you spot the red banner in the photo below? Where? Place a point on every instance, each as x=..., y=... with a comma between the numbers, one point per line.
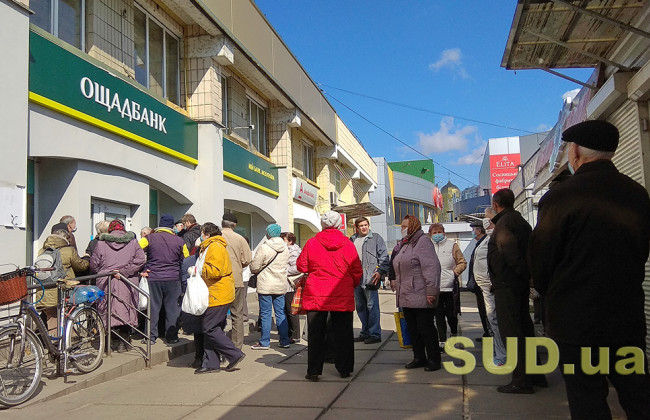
x=503, y=169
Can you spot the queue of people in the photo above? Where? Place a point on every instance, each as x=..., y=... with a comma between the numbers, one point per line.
x=562, y=257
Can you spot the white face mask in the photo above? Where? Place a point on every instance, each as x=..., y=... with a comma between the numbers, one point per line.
x=489, y=231
x=405, y=232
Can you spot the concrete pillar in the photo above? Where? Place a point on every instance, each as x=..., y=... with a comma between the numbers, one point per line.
x=14, y=85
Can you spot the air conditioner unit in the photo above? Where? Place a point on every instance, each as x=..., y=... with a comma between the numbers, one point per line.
x=334, y=198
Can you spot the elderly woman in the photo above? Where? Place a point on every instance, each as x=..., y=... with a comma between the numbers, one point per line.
x=270, y=264
x=119, y=250
x=100, y=227
x=417, y=283
x=216, y=271
x=333, y=270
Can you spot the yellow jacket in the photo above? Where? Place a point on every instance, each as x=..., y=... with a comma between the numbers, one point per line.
x=217, y=271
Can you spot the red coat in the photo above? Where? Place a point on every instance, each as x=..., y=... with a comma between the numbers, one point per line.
x=334, y=270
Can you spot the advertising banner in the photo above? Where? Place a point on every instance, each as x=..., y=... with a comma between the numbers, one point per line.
x=305, y=192
x=72, y=85
x=503, y=169
x=249, y=169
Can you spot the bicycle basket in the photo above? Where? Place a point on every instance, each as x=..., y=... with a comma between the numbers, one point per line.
x=13, y=287
x=86, y=294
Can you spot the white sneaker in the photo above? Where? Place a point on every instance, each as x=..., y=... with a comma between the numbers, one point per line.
x=259, y=346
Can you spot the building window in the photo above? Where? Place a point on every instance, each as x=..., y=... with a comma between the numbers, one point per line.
x=335, y=179
x=224, y=100
x=156, y=57
x=257, y=118
x=308, y=161
x=403, y=208
x=64, y=19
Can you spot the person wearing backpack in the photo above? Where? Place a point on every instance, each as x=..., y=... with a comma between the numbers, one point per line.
x=57, y=253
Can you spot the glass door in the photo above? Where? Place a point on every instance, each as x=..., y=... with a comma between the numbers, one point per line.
x=105, y=210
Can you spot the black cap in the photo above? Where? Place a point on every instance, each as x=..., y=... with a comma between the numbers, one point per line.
x=476, y=224
x=59, y=226
x=594, y=134
x=229, y=217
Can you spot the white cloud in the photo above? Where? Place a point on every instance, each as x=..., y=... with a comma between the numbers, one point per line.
x=570, y=94
x=543, y=127
x=476, y=157
x=449, y=137
x=452, y=59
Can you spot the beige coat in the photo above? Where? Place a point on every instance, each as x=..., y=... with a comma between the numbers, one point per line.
x=239, y=253
x=271, y=279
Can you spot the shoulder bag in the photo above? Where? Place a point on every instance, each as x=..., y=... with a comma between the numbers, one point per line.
x=252, y=281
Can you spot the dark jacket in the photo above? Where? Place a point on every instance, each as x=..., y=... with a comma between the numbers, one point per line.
x=588, y=254
x=417, y=271
x=191, y=235
x=374, y=257
x=507, y=251
x=165, y=252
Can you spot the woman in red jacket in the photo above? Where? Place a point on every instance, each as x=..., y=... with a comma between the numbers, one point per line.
x=334, y=270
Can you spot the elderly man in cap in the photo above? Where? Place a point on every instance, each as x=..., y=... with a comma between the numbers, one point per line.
x=587, y=255
x=240, y=257
x=165, y=253
x=334, y=270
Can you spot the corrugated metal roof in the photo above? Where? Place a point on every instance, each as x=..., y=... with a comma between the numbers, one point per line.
x=548, y=34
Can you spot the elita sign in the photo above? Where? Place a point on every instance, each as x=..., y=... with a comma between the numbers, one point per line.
x=305, y=192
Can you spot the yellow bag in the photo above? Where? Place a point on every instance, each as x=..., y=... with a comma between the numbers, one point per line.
x=402, y=331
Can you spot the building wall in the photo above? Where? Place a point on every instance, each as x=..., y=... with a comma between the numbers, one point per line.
x=14, y=44
x=355, y=149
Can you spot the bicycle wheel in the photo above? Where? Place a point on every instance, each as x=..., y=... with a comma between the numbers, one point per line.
x=20, y=375
x=85, y=339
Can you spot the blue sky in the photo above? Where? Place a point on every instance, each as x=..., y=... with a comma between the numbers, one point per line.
x=443, y=56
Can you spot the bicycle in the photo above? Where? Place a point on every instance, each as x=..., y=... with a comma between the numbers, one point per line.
x=80, y=342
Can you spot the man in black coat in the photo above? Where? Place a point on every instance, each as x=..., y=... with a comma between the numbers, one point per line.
x=587, y=254
x=507, y=250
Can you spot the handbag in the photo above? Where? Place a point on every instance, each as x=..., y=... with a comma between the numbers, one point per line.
x=471, y=285
x=296, y=302
x=142, y=301
x=252, y=281
x=197, y=294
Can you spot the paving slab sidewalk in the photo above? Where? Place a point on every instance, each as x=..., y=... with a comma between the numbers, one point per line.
x=271, y=385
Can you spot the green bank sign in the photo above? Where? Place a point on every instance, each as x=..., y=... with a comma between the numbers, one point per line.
x=61, y=80
x=247, y=168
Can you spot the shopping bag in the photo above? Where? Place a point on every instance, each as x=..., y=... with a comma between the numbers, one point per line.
x=197, y=296
x=402, y=331
x=142, y=301
x=296, y=303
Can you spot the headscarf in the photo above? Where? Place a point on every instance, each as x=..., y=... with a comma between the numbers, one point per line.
x=330, y=219
x=116, y=225
x=273, y=230
x=414, y=225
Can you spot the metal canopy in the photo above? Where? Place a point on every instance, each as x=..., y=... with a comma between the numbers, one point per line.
x=548, y=34
x=358, y=210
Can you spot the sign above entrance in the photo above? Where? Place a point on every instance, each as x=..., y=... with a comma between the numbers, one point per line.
x=304, y=191
x=249, y=169
x=69, y=83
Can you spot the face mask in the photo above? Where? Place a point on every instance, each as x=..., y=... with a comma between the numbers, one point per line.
x=405, y=232
x=571, y=169
x=489, y=231
x=438, y=237
x=473, y=234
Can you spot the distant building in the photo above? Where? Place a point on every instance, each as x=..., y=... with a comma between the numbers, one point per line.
x=450, y=195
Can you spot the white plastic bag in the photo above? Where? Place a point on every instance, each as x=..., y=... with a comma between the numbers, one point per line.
x=197, y=295
x=142, y=302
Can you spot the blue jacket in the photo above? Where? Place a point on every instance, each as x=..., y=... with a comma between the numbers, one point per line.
x=374, y=257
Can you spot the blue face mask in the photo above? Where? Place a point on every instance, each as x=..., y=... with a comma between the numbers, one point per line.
x=438, y=237
x=474, y=234
x=571, y=169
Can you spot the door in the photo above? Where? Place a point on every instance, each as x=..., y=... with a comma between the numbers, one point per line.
x=106, y=210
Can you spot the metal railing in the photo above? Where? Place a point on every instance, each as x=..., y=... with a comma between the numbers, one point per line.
x=109, y=315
